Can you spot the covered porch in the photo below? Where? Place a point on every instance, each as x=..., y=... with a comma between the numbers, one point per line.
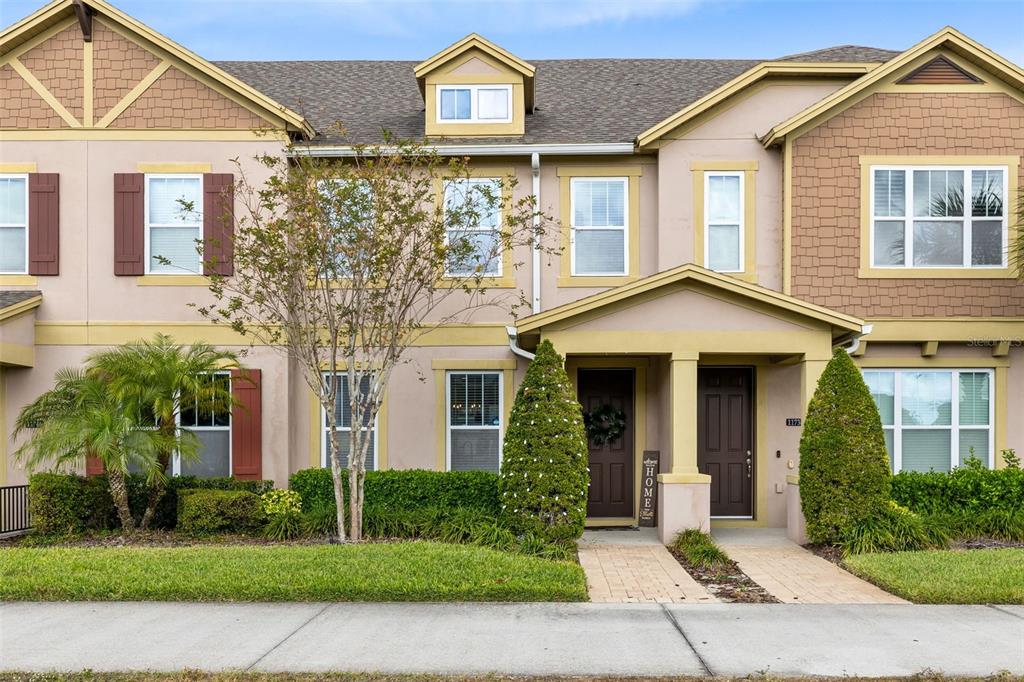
x=706, y=374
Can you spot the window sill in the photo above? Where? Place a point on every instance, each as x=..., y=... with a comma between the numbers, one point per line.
x=485, y=282
x=173, y=281
x=591, y=281
x=18, y=280
x=936, y=273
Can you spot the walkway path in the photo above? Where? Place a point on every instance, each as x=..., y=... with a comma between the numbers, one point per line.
x=516, y=639
x=631, y=565
x=793, y=575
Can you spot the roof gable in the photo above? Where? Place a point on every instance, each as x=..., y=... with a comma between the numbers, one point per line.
x=694, y=275
x=948, y=43
x=475, y=46
x=60, y=15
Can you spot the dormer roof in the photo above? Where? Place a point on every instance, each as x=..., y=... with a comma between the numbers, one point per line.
x=477, y=42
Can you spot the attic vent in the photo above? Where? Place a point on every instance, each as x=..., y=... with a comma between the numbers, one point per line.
x=939, y=71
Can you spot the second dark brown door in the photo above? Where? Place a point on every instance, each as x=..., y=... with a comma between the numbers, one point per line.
x=611, y=464
x=725, y=437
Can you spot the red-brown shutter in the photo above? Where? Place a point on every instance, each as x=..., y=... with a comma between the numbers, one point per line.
x=43, y=223
x=218, y=223
x=247, y=424
x=93, y=466
x=129, y=228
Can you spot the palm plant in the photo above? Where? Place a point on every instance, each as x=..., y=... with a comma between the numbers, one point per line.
x=81, y=417
x=163, y=378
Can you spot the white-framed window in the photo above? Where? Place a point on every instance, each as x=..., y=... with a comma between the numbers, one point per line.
x=934, y=418
x=13, y=223
x=474, y=103
x=599, y=242
x=938, y=216
x=474, y=428
x=723, y=221
x=343, y=421
x=480, y=244
x=174, y=223
x=213, y=428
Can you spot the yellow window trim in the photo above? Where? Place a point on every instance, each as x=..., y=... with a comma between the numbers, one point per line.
x=19, y=280
x=17, y=168
x=441, y=367
x=316, y=427
x=172, y=281
x=699, y=170
x=174, y=167
x=439, y=75
x=868, y=271
x=565, y=175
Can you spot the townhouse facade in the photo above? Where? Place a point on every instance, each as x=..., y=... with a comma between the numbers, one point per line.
x=725, y=224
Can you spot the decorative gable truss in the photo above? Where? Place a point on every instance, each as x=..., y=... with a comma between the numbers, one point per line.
x=73, y=65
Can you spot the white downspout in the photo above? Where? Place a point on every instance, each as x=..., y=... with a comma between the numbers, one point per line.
x=513, y=344
x=864, y=331
x=535, y=165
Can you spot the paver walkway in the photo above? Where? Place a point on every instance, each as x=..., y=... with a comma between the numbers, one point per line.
x=793, y=575
x=631, y=565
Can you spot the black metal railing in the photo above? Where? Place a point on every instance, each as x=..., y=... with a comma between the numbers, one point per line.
x=14, y=514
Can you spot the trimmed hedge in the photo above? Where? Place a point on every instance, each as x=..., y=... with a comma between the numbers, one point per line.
x=963, y=489
x=67, y=504
x=844, y=468
x=404, y=489
x=205, y=512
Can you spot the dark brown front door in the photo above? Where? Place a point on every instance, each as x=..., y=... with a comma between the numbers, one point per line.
x=725, y=437
x=611, y=464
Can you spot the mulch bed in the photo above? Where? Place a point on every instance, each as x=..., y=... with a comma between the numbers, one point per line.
x=727, y=583
x=833, y=553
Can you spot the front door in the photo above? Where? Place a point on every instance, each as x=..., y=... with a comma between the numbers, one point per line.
x=607, y=395
x=725, y=437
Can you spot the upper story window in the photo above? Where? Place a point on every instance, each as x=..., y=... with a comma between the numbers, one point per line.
x=474, y=103
x=475, y=249
x=174, y=223
x=723, y=221
x=934, y=419
x=599, y=229
x=938, y=217
x=14, y=224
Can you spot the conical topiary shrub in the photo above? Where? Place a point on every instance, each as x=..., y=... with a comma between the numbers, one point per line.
x=544, y=476
x=844, y=467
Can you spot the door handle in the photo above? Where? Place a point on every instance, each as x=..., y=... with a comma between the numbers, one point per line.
x=749, y=464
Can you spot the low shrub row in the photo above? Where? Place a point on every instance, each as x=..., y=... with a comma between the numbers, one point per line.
x=206, y=512
x=965, y=489
x=406, y=489
x=66, y=504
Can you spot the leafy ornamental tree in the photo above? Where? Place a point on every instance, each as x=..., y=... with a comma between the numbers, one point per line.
x=159, y=379
x=343, y=266
x=544, y=475
x=844, y=468
x=82, y=417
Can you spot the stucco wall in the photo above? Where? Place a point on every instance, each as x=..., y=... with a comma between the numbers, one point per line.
x=826, y=200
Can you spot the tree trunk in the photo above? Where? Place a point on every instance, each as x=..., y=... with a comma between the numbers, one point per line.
x=339, y=490
x=158, y=484
x=119, y=493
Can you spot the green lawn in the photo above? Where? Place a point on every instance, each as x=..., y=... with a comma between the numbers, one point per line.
x=977, y=576
x=410, y=571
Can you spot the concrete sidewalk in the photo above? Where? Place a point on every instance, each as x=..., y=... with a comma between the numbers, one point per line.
x=541, y=639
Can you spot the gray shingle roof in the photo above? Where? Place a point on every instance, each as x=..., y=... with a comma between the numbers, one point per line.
x=577, y=100
x=9, y=298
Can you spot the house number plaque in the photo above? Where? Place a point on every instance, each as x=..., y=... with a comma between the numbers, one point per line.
x=649, y=488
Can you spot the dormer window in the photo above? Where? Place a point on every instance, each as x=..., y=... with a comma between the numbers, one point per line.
x=474, y=103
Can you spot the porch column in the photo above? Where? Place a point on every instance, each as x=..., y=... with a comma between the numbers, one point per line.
x=684, y=494
x=810, y=372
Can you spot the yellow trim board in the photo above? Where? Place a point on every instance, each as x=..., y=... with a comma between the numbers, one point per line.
x=962, y=329
x=20, y=307
x=87, y=79
x=17, y=354
x=947, y=38
x=473, y=41
x=155, y=134
x=134, y=94
x=744, y=81
x=47, y=96
x=172, y=280
x=174, y=167
x=695, y=273
x=17, y=168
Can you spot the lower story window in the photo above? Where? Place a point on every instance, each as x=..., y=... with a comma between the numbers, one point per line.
x=474, y=428
x=343, y=425
x=934, y=419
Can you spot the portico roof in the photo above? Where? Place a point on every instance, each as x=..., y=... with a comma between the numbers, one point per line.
x=759, y=297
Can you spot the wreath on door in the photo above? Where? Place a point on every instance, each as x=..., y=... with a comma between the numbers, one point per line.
x=604, y=424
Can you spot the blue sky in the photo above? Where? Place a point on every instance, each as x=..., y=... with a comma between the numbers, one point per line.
x=536, y=29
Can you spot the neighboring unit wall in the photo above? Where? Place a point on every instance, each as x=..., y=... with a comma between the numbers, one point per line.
x=827, y=201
